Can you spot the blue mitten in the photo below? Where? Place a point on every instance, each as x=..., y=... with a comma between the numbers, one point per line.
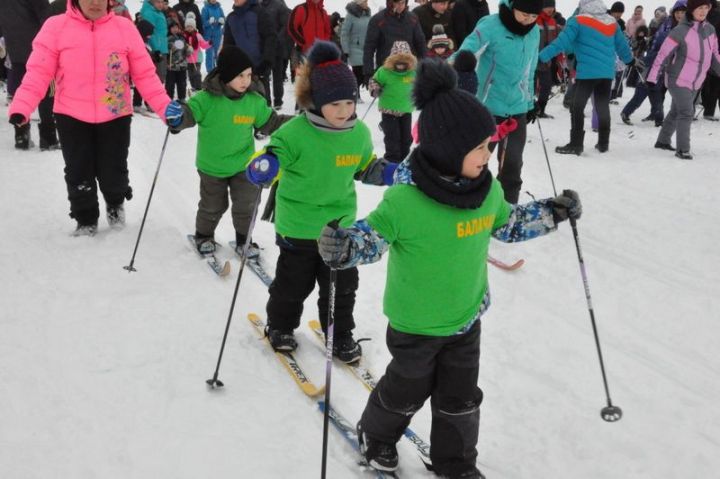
x=388, y=173
x=174, y=114
x=263, y=169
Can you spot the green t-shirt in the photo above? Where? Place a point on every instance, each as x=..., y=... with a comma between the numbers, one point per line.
x=225, y=131
x=437, y=270
x=317, y=175
x=396, y=89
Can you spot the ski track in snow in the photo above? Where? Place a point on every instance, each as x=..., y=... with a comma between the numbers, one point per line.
x=102, y=371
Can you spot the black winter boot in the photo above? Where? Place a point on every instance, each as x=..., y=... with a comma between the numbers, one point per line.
x=281, y=340
x=48, y=137
x=116, y=216
x=380, y=455
x=575, y=147
x=345, y=348
x=22, y=137
x=603, y=141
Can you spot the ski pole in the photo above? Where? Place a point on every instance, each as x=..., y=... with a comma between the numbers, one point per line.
x=329, y=336
x=130, y=267
x=214, y=381
x=368, y=109
x=609, y=413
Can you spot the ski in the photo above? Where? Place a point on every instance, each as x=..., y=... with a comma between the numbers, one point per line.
x=505, y=266
x=350, y=434
x=288, y=360
x=255, y=265
x=368, y=380
x=220, y=269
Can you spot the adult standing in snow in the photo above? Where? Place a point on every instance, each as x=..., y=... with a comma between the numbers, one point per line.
x=152, y=11
x=596, y=39
x=392, y=24
x=20, y=20
x=92, y=54
x=213, y=19
x=183, y=7
x=352, y=36
x=687, y=53
x=435, y=12
x=658, y=19
x=711, y=87
x=635, y=21
x=507, y=45
x=279, y=13
x=464, y=15
x=250, y=28
x=549, y=30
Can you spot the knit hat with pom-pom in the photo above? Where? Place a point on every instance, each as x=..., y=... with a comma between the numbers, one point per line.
x=330, y=79
x=452, y=122
x=465, y=63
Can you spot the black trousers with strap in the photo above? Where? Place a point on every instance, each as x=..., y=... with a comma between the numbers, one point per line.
x=95, y=154
x=443, y=368
x=299, y=267
x=510, y=158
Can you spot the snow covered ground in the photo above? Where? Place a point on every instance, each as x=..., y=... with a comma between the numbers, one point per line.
x=102, y=372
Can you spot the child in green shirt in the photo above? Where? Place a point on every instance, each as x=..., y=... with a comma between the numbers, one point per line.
x=392, y=85
x=320, y=154
x=437, y=221
x=227, y=110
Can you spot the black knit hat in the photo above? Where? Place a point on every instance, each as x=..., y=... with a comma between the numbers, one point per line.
x=452, y=122
x=330, y=79
x=548, y=3
x=617, y=7
x=693, y=4
x=465, y=63
x=232, y=61
x=528, y=6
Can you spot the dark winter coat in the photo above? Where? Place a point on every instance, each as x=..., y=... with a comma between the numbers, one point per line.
x=57, y=7
x=250, y=28
x=20, y=20
x=465, y=15
x=428, y=18
x=184, y=7
x=354, y=31
x=386, y=28
x=279, y=13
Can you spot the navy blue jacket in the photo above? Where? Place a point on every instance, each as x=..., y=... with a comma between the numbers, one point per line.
x=250, y=28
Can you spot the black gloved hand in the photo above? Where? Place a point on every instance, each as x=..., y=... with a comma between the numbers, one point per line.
x=567, y=205
x=334, y=245
x=18, y=119
x=531, y=114
x=344, y=57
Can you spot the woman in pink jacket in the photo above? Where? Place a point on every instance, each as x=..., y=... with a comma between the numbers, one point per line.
x=92, y=54
x=688, y=52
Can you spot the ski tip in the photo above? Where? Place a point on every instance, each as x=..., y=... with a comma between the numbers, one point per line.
x=225, y=269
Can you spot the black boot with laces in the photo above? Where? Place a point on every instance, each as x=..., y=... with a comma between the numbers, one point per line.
x=345, y=348
x=379, y=455
x=281, y=340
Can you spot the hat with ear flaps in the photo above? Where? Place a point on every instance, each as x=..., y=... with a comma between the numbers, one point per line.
x=452, y=123
x=324, y=78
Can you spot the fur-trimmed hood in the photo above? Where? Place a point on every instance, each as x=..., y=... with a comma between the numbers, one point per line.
x=396, y=58
x=303, y=93
x=353, y=8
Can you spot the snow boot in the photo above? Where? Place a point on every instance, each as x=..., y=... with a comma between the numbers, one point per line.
x=650, y=117
x=204, y=244
x=253, y=248
x=22, y=137
x=345, y=348
x=684, y=155
x=575, y=147
x=626, y=119
x=380, y=455
x=281, y=340
x=603, y=141
x=85, y=230
x=664, y=146
x=115, y=216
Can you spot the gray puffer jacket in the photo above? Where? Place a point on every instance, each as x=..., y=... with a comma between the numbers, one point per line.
x=354, y=29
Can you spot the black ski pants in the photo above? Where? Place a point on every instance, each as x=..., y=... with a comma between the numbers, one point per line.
x=710, y=94
x=510, y=158
x=279, y=68
x=94, y=153
x=299, y=267
x=176, y=80
x=397, y=135
x=47, y=120
x=600, y=89
x=443, y=368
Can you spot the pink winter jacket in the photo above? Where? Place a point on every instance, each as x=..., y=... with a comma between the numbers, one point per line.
x=92, y=63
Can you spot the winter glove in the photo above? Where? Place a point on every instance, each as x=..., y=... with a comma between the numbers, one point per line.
x=503, y=129
x=334, y=245
x=174, y=114
x=221, y=21
x=262, y=170
x=388, y=173
x=531, y=114
x=567, y=205
x=18, y=119
x=374, y=88
x=211, y=20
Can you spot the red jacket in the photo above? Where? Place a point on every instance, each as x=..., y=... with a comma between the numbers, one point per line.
x=309, y=22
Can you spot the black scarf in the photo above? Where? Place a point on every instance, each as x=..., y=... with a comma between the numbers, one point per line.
x=508, y=20
x=464, y=193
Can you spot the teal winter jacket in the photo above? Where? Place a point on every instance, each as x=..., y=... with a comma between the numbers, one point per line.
x=506, y=65
x=158, y=40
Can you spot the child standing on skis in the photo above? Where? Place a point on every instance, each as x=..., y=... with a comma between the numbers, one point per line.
x=437, y=221
x=226, y=112
x=392, y=84
x=321, y=152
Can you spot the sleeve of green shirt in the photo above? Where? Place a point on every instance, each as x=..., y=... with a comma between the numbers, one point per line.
x=262, y=115
x=199, y=106
x=280, y=148
x=384, y=218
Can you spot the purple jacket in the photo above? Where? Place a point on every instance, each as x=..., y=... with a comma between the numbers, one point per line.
x=690, y=50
